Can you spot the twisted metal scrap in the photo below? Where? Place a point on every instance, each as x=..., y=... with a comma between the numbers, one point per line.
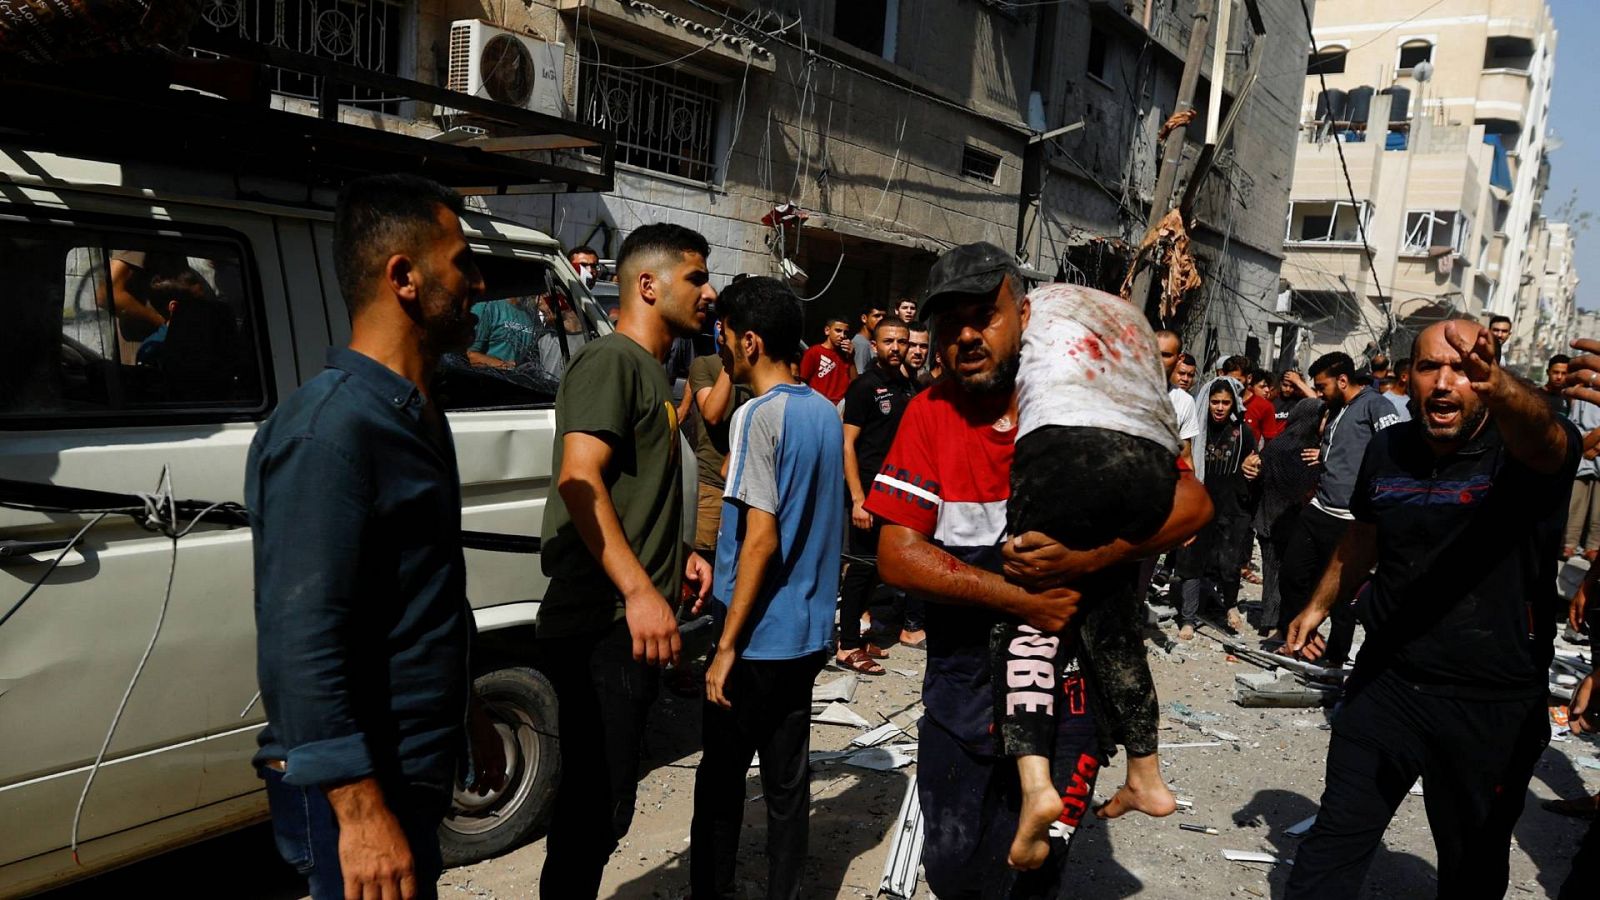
x=1180, y=118
x=1170, y=241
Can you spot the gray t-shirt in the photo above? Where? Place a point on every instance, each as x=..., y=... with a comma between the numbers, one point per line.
x=864, y=354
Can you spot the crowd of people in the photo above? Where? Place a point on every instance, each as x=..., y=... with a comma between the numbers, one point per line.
x=1000, y=467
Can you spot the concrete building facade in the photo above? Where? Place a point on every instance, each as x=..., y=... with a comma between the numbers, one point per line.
x=1434, y=116
x=894, y=129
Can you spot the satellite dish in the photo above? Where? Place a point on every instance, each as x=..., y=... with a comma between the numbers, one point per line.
x=507, y=70
x=1422, y=71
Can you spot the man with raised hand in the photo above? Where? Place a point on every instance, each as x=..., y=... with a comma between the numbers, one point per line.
x=1461, y=510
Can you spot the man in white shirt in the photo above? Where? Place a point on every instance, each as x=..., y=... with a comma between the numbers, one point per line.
x=1182, y=404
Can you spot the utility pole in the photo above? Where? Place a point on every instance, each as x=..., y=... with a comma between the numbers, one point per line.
x=1172, y=150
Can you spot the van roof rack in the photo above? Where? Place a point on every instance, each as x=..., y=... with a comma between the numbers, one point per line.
x=215, y=111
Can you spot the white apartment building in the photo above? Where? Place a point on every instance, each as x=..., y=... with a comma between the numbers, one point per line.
x=1439, y=112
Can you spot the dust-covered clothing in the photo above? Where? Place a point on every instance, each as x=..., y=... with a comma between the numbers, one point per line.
x=1095, y=462
x=1090, y=360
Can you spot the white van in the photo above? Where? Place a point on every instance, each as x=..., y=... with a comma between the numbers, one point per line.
x=93, y=399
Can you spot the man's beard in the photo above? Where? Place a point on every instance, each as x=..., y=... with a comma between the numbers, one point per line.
x=1002, y=379
x=1467, y=428
x=447, y=326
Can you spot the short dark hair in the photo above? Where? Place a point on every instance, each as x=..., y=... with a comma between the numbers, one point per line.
x=1169, y=333
x=1334, y=364
x=1188, y=360
x=889, y=322
x=1403, y=364
x=832, y=319
x=1261, y=376
x=769, y=308
x=1236, y=364
x=378, y=216
x=662, y=237
x=1380, y=362
x=584, y=249
x=1494, y=319
x=919, y=325
x=866, y=309
x=1560, y=359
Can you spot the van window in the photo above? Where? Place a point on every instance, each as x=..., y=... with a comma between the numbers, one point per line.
x=104, y=324
x=530, y=322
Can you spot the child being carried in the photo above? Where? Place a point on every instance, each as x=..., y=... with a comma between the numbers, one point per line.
x=1096, y=462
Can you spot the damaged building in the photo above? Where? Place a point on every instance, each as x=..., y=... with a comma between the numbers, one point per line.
x=844, y=145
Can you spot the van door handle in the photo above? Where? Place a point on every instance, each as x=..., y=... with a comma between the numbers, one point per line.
x=13, y=552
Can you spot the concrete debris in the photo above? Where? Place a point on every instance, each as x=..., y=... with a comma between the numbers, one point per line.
x=840, y=689
x=1589, y=762
x=1254, y=856
x=838, y=714
x=883, y=759
x=1181, y=712
x=1416, y=789
x=1192, y=744
x=876, y=736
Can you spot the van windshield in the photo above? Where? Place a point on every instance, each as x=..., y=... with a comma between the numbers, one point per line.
x=530, y=323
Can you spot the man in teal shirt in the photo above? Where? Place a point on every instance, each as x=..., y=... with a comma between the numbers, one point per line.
x=507, y=329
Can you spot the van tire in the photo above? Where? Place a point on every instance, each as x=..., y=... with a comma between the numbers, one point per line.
x=523, y=705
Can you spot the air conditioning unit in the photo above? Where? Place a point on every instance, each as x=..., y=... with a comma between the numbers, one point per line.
x=505, y=67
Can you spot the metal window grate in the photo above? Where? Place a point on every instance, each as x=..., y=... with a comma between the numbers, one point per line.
x=980, y=164
x=664, y=119
x=363, y=33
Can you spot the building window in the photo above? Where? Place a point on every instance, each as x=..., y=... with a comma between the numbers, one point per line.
x=980, y=164
x=664, y=118
x=1098, y=42
x=1327, y=222
x=1327, y=61
x=367, y=34
x=1427, y=229
x=1413, y=54
x=871, y=25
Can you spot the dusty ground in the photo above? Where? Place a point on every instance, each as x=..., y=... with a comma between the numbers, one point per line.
x=1250, y=792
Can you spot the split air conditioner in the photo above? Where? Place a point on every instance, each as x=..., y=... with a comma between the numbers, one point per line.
x=506, y=67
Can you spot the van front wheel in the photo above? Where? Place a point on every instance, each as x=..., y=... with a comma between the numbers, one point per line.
x=523, y=706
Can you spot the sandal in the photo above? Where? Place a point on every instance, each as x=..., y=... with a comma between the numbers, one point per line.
x=874, y=651
x=859, y=662
x=1582, y=809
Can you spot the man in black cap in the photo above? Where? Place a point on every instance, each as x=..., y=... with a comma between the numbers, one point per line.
x=941, y=496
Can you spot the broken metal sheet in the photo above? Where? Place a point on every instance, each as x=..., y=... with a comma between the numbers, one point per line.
x=877, y=735
x=882, y=759
x=843, y=689
x=1254, y=856
x=838, y=714
x=1301, y=827
x=905, y=849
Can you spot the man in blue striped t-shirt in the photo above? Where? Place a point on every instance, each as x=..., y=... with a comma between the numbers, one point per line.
x=778, y=574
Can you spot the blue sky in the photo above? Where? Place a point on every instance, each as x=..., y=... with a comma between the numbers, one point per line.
x=1576, y=166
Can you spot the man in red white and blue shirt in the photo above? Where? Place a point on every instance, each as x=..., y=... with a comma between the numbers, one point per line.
x=941, y=494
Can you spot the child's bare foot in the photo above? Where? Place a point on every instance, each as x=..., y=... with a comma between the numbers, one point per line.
x=1154, y=801
x=1031, y=846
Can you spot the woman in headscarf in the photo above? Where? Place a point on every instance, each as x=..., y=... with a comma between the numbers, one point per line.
x=1225, y=460
x=1289, y=474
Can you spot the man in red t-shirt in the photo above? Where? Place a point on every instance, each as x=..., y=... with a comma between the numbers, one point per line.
x=941, y=496
x=826, y=366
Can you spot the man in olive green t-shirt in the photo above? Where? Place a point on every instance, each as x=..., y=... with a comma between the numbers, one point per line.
x=716, y=397
x=615, y=551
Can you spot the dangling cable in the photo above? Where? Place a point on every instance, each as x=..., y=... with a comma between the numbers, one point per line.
x=161, y=510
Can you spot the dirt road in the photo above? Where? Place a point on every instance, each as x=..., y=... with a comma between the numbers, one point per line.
x=1250, y=790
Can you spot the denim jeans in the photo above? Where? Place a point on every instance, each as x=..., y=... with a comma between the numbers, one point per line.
x=307, y=834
